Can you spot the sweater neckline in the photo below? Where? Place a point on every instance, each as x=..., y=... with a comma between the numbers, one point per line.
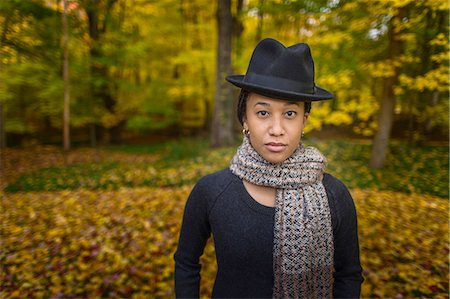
x=250, y=201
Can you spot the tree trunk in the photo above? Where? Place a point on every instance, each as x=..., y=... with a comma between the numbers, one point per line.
x=428, y=50
x=2, y=111
x=66, y=120
x=93, y=135
x=434, y=99
x=385, y=120
x=222, y=129
x=238, y=29
x=2, y=127
x=115, y=133
x=99, y=70
x=386, y=114
x=259, y=29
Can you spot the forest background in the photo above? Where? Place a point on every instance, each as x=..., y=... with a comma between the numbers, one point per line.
x=110, y=111
x=143, y=68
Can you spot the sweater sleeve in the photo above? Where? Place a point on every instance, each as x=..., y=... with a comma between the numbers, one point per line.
x=348, y=272
x=195, y=231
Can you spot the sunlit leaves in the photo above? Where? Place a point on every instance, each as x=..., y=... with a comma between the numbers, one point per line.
x=120, y=243
x=91, y=244
x=408, y=169
x=404, y=244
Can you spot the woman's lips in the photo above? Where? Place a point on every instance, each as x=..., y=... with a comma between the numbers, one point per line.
x=275, y=147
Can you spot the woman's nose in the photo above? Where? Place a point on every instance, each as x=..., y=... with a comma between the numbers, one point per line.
x=276, y=127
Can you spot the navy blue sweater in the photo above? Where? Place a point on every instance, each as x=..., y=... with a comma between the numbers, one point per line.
x=242, y=230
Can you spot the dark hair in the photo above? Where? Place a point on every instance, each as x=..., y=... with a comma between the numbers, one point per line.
x=242, y=103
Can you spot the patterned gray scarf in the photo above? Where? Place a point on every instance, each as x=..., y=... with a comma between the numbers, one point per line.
x=303, y=234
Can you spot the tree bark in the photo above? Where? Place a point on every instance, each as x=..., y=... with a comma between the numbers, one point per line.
x=222, y=128
x=238, y=29
x=433, y=96
x=386, y=113
x=2, y=112
x=2, y=127
x=66, y=121
x=98, y=69
x=259, y=29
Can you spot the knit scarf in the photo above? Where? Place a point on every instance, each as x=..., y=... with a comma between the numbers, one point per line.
x=303, y=235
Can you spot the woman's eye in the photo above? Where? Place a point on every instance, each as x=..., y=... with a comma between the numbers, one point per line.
x=291, y=114
x=262, y=113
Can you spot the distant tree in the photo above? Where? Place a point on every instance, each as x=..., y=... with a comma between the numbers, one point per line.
x=222, y=125
x=99, y=15
x=66, y=116
x=5, y=25
x=388, y=97
x=30, y=78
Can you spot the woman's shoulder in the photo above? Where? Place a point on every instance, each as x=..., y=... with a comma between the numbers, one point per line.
x=342, y=207
x=333, y=183
x=216, y=182
x=337, y=192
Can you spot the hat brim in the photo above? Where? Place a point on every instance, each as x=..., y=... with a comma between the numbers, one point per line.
x=318, y=95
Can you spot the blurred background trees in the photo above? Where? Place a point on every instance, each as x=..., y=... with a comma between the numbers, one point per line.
x=148, y=68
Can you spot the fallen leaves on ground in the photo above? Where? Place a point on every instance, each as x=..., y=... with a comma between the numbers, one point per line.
x=404, y=244
x=16, y=162
x=408, y=169
x=117, y=244
x=75, y=244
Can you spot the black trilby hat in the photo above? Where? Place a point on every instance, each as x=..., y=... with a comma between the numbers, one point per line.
x=282, y=73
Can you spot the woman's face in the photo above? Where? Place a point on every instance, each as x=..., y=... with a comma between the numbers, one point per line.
x=275, y=126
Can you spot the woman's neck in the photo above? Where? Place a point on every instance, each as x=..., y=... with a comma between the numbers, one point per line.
x=262, y=194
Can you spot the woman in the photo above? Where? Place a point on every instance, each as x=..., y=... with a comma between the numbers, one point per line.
x=282, y=227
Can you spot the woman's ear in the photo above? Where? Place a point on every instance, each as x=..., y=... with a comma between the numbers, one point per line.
x=305, y=118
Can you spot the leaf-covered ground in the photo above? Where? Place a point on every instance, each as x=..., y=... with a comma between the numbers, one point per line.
x=110, y=226
x=407, y=169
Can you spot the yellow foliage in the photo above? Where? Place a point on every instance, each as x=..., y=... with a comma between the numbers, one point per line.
x=332, y=39
x=350, y=6
x=337, y=81
x=438, y=4
x=321, y=112
x=440, y=57
x=397, y=3
x=440, y=40
x=409, y=59
x=338, y=118
x=398, y=90
x=110, y=119
x=405, y=80
x=380, y=69
x=407, y=37
x=436, y=79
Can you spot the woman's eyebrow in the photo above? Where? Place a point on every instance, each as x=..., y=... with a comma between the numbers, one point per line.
x=292, y=103
x=267, y=104
x=262, y=103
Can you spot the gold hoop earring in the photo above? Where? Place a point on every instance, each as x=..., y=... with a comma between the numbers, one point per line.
x=245, y=130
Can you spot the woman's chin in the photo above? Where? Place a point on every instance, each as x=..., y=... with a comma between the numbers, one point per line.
x=275, y=158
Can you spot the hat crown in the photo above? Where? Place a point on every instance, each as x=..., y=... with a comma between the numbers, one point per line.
x=279, y=72
x=271, y=58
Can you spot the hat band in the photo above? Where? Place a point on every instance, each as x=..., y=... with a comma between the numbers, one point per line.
x=279, y=83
